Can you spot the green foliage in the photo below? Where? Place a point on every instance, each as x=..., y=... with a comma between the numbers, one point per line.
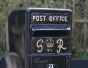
x=1, y=22
x=1, y=37
x=36, y=3
x=81, y=55
x=45, y=4
x=2, y=54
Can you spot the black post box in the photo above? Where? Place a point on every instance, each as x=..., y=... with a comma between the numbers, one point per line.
x=45, y=34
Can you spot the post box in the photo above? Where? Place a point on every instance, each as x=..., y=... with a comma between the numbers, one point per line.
x=41, y=36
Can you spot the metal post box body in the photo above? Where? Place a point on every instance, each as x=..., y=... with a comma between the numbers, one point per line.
x=47, y=37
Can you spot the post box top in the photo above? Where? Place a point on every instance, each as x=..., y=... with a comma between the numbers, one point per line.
x=49, y=9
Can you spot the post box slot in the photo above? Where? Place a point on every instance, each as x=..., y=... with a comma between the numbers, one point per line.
x=50, y=33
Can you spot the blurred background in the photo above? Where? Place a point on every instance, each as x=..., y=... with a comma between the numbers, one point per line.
x=80, y=21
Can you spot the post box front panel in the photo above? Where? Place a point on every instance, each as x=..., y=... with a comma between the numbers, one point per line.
x=49, y=38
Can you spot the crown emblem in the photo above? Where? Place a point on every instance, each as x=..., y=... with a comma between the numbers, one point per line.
x=49, y=42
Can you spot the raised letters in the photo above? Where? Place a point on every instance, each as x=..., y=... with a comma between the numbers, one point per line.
x=58, y=18
x=49, y=17
x=59, y=43
x=39, y=18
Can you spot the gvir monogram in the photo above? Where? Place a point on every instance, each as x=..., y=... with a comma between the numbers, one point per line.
x=50, y=44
